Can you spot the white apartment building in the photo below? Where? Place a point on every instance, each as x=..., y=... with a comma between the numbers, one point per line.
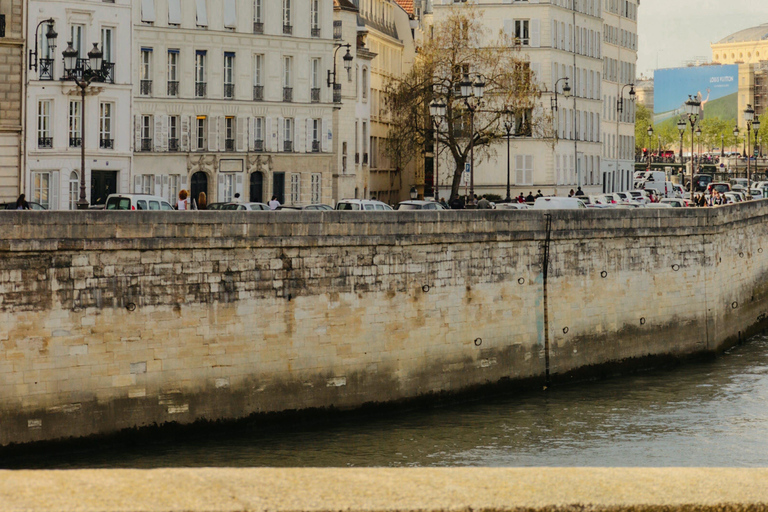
x=230, y=96
x=619, y=65
x=54, y=132
x=561, y=39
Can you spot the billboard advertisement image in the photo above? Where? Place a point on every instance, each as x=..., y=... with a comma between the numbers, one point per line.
x=717, y=87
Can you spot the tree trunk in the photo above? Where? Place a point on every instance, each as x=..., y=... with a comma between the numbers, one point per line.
x=457, y=174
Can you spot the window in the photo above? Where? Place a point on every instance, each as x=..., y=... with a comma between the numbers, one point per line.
x=258, y=134
x=258, y=77
x=287, y=25
x=200, y=131
x=74, y=189
x=147, y=180
x=524, y=169
x=314, y=17
x=145, y=72
x=107, y=40
x=295, y=188
x=42, y=189
x=229, y=135
x=287, y=79
x=288, y=135
x=315, y=80
x=316, y=192
x=316, y=135
x=146, y=133
x=174, y=123
x=44, y=138
x=365, y=142
x=522, y=35
x=106, y=141
x=173, y=72
x=75, y=133
x=364, y=84
x=228, y=183
x=174, y=184
x=258, y=17
x=200, y=84
x=77, y=35
x=229, y=75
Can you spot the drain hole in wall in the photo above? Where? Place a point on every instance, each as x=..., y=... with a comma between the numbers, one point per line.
x=603, y=274
x=425, y=288
x=521, y=281
x=642, y=321
x=130, y=306
x=675, y=267
x=734, y=305
x=760, y=250
x=741, y=255
x=565, y=330
x=478, y=342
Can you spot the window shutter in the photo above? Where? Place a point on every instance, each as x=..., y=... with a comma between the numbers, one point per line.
x=163, y=132
x=137, y=133
x=251, y=136
x=165, y=190
x=519, y=175
x=326, y=135
x=239, y=184
x=158, y=191
x=529, y=169
x=137, y=184
x=230, y=14
x=242, y=143
x=222, y=129
x=509, y=28
x=220, y=188
x=536, y=68
x=309, y=135
x=535, y=32
x=148, y=11
x=280, y=128
x=174, y=12
x=158, y=139
x=183, y=184
x=213, y=133
x=53, y=204
x=202, y=14
x=185, y=133
x=269, y=136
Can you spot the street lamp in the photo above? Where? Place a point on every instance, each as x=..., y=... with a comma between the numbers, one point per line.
x=681, y=129
x=692, y=109
x=620, y=101
x=437, y=112
x=472, y=90
x=347, y=65
x=414, y=193
x=50, y=38
x=698, y=151
x=620, y=111
x=650, y=141
x=76, y=71
x=509, y=127
x=749, y=117
x=566, y=93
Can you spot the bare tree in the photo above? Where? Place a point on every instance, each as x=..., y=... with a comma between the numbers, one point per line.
x=460, y=50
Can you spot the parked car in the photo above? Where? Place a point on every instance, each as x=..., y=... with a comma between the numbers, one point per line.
x=215, y=206
x=137, y=202
x=720, y=186
x=309, y=207
x=512, y=206
x=419, y=205
x=558, y=203
x=658, y=205
x=12, y=206
x=700, y=182
x=734, y=197
x=362, y=204
x=674, y=201
x=246, y=207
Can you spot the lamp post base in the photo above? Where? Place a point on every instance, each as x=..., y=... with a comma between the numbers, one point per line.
x=82, y=205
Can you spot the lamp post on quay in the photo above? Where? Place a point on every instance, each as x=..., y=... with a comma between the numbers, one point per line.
x=749, y=117
x=698, y=148
x=437, y=112
x=509, y=127
x=472, y=91
x=692, y=108
x=75, y=70
x=650, y=142
x=681, y=129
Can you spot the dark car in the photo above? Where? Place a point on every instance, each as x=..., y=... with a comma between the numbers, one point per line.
x=700, y=182
x=12, y=206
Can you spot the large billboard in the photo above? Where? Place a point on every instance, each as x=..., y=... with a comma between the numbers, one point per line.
x=717, y=87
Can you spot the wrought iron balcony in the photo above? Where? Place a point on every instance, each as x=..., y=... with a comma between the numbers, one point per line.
x=201, y=89
x=288, y=146
x=288, y=94
x=45, y=142
x=258, y=93
x=229, y=91
x=45, y=67
x=75, y=142
x=258, y=145
x=145, y=87
x=287, y=29
x=315, y=94
x=173, y=88
x=173, y=145
x=315, y=31
x=337, y=93
x=315, y=146
x=229, y=144
x=146, y=144
x=107, y=143
x=336, y=29
x=258, y=27
x=108, y=70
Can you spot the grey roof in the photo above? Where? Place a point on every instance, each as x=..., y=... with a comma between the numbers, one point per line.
x=759, y=33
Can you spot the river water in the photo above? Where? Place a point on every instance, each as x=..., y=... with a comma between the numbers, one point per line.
x=705, y=413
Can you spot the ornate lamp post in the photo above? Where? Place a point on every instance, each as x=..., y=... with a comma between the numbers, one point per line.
x=76, y=71
x=437, y=112
x=692, y=107
x=681, y=128
x=752, y=122
x=650, y=141
x=566, y=93
x=509, y=127
x=331, y=81
x=50, y=37
x=620, y=111
x=469, y=91
x=698, y=150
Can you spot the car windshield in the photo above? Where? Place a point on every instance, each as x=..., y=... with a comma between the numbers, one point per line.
x=402, y=206
x=720, y=188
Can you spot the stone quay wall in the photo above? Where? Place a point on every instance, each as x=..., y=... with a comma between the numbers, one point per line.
x=116, y=320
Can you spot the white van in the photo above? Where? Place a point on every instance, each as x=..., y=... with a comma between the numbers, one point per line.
x=559, y=203
x=368, y=205
x=662, y=188
x=137, y=202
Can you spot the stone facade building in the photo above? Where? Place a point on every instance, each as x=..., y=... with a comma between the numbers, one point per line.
x=54, y=106
x=12, y=72
x=231, y=97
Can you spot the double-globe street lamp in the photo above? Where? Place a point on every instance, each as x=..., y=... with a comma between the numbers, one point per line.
x=437, y=112
x=472, y=90
x=509, y=128
x=83, y=73
x=692, y=108
x=681, y=128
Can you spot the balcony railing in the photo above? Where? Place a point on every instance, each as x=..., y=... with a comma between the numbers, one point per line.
x=287, y=29
x=107, y=143
x=288, y=146
x=75, y=142
x=145, y=87
x=258, y=93
x=337, y=93
x=258, y=27
x=315, y=93
x=173, y=145
x=45, y=142
x=108, y=68
x=146, y=144
x=229, y=144
x=229, y=91
x=337, y=29
x=365, y=158
x=315, y=31
x=288, y=94
x=46, y=69
x=258, y=145
x=173, y=88
x=315, y=146
x=201, y=89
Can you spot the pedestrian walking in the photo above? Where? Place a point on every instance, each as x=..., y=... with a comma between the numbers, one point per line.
x=21, y=203
x=274, y=203
x=182, y=204
x=579, y=192
x=202, y=203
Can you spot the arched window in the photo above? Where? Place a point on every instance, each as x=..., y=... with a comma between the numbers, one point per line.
x=74, y=189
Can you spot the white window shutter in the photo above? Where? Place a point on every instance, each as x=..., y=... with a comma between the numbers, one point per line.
x=536, y=68
x=158, y=191
x=158, y=135
x=185, y=133
x=213, y=133
x=137, y=184
x=242, y=143
x=164, y=132
x=309, y=135
x=535, y=33
x=529, y=169
x=148, y=11
x=136, y=133
x=222, y=128
x=53, y=203
x=519, y=175
x=251, y=136
x=326, y=135
x=174, y=12
x=509, y=28
x=202, y=13
x=220, y=189
x=166, y=189
x=280, y=128
x=239, y=184
x=183, y=184
x=269, y=136
x=230, y=14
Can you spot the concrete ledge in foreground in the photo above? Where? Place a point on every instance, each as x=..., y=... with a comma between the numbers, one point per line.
x=375, y=490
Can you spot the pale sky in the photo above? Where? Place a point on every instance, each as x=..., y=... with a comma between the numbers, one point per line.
x=673, y=32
